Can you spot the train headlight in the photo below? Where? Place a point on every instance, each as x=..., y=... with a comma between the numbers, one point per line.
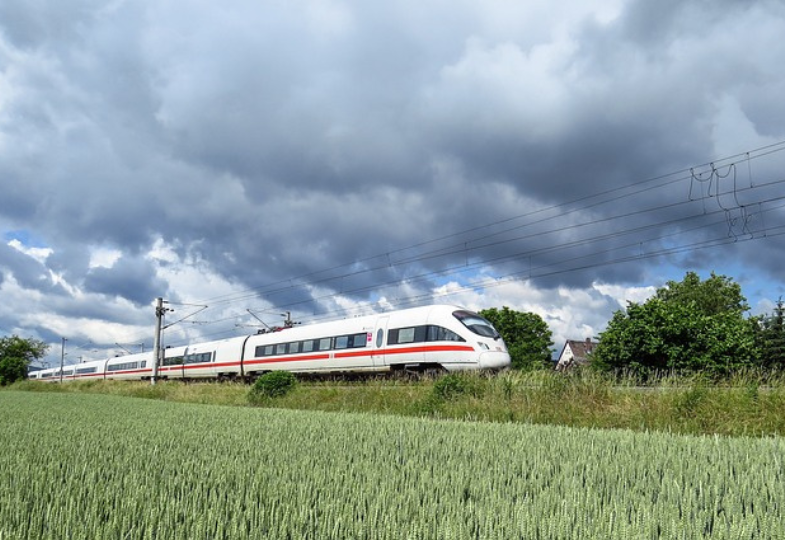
x=483, y=346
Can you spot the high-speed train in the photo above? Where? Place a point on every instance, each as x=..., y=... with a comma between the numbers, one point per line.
x=436, y=337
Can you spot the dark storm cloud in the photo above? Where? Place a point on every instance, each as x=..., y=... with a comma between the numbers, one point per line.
x=27, y=271
x=132, y=279
x=29, y=25
x=270, y=143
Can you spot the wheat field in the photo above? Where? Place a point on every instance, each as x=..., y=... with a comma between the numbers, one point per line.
x=96, y=466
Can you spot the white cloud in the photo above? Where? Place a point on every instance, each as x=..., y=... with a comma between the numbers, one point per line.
x=163, y=252
x=622, y=294
x=102, y=257
x=88, y=338
x=733, y=129
x=570, y=313
x=522, y=93
x=40, y=254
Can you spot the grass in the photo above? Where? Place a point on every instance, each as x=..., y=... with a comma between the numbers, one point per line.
x=748, y=404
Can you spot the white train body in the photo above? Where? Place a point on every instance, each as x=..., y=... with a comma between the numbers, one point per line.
x=431, y=337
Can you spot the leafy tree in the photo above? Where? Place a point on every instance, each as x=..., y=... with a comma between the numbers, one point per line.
x=771, y=338
x=691, y=325
x=526, y=335
x=15, y=356
x=718, y=294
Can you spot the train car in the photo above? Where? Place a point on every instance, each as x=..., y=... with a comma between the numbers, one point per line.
x=433, y=337
x=55, y=374
x=131, y=367
x=437, y=337
x=95, y=369
x=212, y=360
x=120, y=368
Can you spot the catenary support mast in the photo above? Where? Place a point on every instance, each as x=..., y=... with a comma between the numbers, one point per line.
x=159, y=315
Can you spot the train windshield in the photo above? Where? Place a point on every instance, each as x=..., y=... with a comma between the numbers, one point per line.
x=476, y=324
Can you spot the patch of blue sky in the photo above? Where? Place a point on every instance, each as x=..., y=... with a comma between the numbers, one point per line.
x=24, y=237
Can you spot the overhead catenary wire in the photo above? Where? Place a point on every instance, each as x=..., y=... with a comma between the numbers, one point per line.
x=469, y=243
x=528, y=253
x=664, y=180
x=294, y=283
x=401, y=302
x=557, y=267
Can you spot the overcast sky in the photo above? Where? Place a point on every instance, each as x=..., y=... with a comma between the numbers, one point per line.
x=334, y=158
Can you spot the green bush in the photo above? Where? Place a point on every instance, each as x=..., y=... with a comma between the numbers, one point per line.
x=454, y=385
x=272, y=384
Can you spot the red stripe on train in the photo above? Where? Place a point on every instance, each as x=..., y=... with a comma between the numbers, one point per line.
x=273, y=360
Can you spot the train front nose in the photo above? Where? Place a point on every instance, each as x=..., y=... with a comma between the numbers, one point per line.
x=494, y=360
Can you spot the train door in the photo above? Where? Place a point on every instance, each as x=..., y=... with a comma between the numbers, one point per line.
x=182, y=364
x=380, y=341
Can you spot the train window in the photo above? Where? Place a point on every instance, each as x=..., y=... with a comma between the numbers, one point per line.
x=358, y=340
x=325, y=344
x=173, y=361
x=415, y=334
x=268, y=350
x=123, y=367
x=199, y=358
x=295, y=347
x=406, y=335
x=342, y=342
x=307, y=346
x=437, y=333
x=82, y=371
x=420, y=334
x=476, y=324
x=281, y=348
x=379, y=337
x=144, y=363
